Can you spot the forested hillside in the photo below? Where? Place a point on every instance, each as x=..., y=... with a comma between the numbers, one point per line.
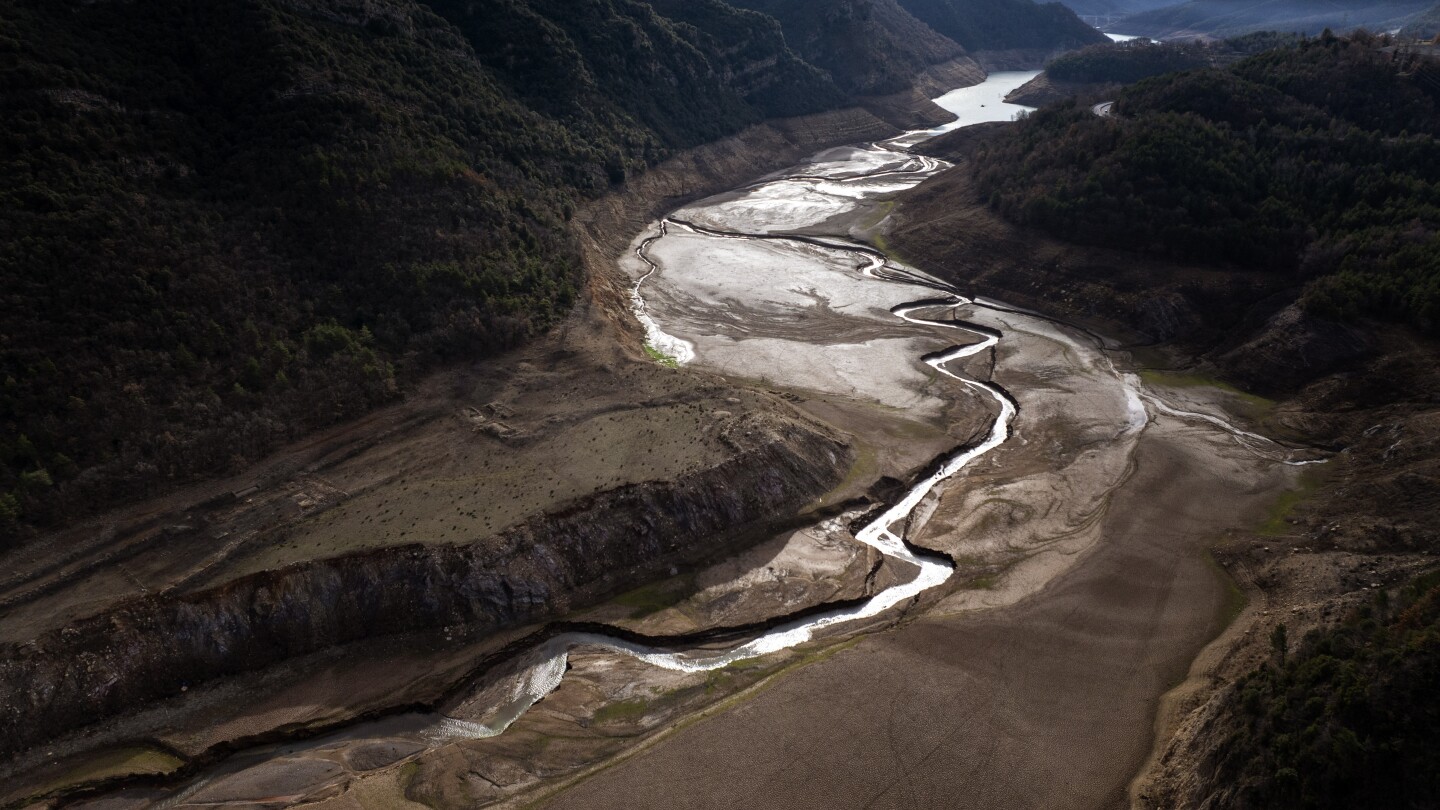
x=1349, y=719
x=1228, y=18
x=225, y=224
x=1319, y=160
x=1004, y=24
x=1126, y=62
x=1093, y=72
x=868, y=47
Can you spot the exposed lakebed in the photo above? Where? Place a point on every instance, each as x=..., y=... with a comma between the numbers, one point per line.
x=772, y=284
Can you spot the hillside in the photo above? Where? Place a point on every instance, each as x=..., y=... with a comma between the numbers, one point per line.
x=1220, y=166
x=226, y=226
x=1224, y=18
x=1096, y=72
x=1125, y=62
x=1424, y=25
x=1347, y=719
x=996, y=25
x=1270, y=225
x=868, y=47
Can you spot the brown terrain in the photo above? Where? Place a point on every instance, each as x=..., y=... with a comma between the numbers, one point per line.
x=378, y=567
x=318, y=612
x=1085, y=592
x=1034, y=679
x=1043, y=90
x=1371, y=393
x=371, y=568
x=1034, y=706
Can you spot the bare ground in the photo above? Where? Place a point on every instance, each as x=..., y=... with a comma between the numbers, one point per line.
x=1046, y=703
x=471, y=451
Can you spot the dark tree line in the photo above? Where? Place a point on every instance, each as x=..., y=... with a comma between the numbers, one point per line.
x=1318, y=159
x=225, y=224
x=1350, y=718
x=1133, y=60
x=1126, y=62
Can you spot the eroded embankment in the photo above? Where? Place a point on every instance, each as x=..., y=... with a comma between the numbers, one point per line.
x=155, y=647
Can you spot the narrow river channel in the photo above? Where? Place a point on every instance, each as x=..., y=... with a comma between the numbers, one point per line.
x=730, y=246
x=771, y=283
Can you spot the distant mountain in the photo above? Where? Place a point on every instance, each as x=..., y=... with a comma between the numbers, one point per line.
x=868, y=47
x=1224, y=18
x=1423, y=25
x=1004, y=24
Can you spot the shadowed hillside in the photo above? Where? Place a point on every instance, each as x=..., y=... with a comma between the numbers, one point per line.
x=1224, y=18
x=868, y=47
x=1005, y=24
x=227, y=224
x=1319, y=160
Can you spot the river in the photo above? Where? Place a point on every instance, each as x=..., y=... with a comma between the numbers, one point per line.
x=771, y=283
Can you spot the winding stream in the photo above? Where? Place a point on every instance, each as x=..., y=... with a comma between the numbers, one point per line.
x=547, y=671
x=792, y=201
x=729, y=283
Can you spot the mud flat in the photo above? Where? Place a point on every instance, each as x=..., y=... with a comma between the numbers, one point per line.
x=1083, y=593
x=1048, y=702
x=1075, y=590
x=1032, y=677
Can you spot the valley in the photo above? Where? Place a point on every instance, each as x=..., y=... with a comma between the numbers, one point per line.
x=515, y=403
x=1059, y=445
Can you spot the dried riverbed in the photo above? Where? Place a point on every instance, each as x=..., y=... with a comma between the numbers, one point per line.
x=1058, y=487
